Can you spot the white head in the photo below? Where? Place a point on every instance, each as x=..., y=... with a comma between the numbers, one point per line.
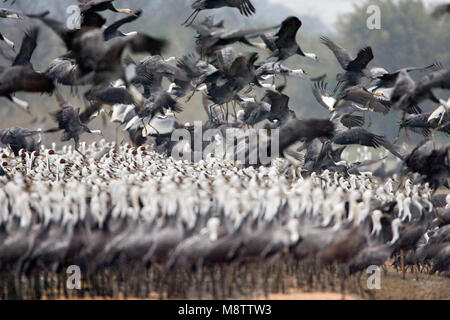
x=437, y=114
x=293, y=226
x=212, y=226
x=395, y=225
x=240, y=115
x=312, y=56
x=376, y=217
x=170, y=59
x=172, y=85
x=96, y=132
x=131, y=34
x=21, y=104
x=267, y=77
x=9, y=43
x=248, y=99
x=299, y=73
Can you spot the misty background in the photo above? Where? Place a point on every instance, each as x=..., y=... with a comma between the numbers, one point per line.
x=408, y=37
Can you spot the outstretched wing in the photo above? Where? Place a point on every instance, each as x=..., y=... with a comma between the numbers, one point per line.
x=29, y=43
x=110, y=31
x=358, y=136
x=362, y=60
x=295, y=130
x=288, y=32
x=341, y=54
x=319, y=91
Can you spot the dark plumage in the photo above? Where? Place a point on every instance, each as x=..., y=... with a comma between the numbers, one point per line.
x=68, y=119
x=88, y=6
x=19, y=138
x=433, y=164
x=355, y=67
x=245, y=7
x=439, y=79
x=283, y=44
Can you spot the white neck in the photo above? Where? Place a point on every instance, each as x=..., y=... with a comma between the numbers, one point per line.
x=395, y=233
x=311, y=56
x=132, y=33
x=299, y=73
x=22, y=104
x=9, y=43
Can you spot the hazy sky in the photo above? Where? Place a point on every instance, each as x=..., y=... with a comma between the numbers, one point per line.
x=328, y=10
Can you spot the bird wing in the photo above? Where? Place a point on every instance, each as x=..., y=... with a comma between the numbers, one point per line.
x=59, y=28
x=188, y=64
x=226, y=57
x=242, y=64
x=358, y=136
x=62, y=103
x=362, y=60
x=65, y=117
x=295, y=130
x=278, y=102
x=247, y=33
x=29, y=43
x=287, y=32
x=160, y=125
x=109, y=31
x=87, y=114
x=24, y=79
x=367, y=99
x=245, y=7
x=319, y=92
x=141, y=43
x=351, y=121
x=441, y=10
x=438, y=79
x=341, y=54
x=162, y=100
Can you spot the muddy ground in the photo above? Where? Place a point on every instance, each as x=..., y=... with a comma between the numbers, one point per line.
x=415, y=287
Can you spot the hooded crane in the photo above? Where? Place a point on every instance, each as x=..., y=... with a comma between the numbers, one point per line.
x=279, y=107
x=355, y=68
x=245, y=7
x=113, y=30
x=21, y=76
x=433, y=164
x=210, y=40
x=8, y=42
x=273, y=106
x=424, y=123
x=441, y=10
x=283, y=44
x=439, y=79
x=68, y=120
x=351, y=99
x=235, y=72
x=386, y=82
x=20, y=138
x=93, y=54
x=8, y=14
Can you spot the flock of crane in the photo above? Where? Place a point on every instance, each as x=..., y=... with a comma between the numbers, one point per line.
x=139, y=222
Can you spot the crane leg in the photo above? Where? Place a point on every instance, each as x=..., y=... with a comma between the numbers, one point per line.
x=402, y=263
